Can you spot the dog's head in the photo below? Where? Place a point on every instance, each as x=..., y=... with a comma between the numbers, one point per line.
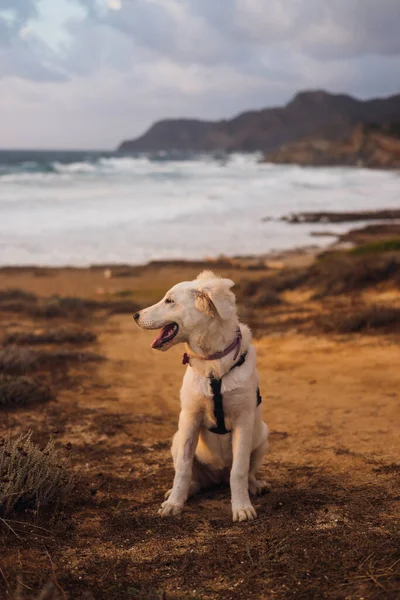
x=188, y=308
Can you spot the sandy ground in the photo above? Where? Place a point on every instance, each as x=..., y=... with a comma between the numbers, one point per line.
x=327, y=529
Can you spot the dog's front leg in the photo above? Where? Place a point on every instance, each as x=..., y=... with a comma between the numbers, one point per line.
x=188, y=433
x=242, y=509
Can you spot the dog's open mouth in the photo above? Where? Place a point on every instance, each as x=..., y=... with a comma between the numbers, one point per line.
x=166, y=334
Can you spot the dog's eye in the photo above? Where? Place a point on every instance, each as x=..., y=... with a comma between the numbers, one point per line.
x=169, y=301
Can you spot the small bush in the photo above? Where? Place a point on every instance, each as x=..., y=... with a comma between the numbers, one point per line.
x=17, y=391
x=51, y=336
x=30, y=477
x=15, y=360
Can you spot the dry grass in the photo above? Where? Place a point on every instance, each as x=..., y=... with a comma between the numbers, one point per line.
x=15, y=295
x=258, y=293
x=17, y=391
x=15, y=360
x=31, y=477
x=48, y=592
x=62, y=356
x=56, y=307
x=64, y=335
x=343, y=273
x=367, y=320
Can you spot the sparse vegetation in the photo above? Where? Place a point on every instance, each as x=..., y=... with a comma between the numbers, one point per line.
x=18, y=391
x=63, y=335
x=15, y=360
x=391, y=245
x=258, y=293
x=67, y=356
x=30, y=477
x=120, y=307
x=342, y=273
x=368, y=320
x=15, y=294
x=61, y=307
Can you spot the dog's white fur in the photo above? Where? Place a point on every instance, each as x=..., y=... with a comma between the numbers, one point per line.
x=205, y=311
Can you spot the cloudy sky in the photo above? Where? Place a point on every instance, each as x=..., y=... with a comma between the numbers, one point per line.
x=89, y=73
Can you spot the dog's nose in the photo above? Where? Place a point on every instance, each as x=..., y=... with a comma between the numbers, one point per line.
x=136, y=316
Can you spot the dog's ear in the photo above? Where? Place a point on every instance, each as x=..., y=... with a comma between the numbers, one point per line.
x=215, y=298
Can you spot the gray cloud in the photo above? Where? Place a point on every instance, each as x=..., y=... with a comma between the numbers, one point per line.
x=207, y=58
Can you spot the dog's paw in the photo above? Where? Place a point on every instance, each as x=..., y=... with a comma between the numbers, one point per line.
x=258, y=488
x=244, y=513
x=170, y=509
x=167, y=494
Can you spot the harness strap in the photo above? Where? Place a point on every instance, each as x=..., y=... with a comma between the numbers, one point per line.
x=216, y=385
x=218, y=408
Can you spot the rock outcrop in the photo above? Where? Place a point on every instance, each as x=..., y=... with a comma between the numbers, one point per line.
x=315, y=114
x=368, y=146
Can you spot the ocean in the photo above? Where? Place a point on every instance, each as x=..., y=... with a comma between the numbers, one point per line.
x=84, y=208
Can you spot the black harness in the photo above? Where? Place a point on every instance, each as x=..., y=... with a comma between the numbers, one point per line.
x=216, y=385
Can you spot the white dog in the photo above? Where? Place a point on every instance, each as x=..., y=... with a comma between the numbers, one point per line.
x=221, y=430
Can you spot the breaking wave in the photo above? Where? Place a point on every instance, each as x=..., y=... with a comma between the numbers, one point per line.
x=79, y=208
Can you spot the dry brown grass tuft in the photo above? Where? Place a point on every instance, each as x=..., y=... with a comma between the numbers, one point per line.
x=366, y=320
x=58, y=307
x=17, y=391
x=15, y=360
x=258, y=293
x=16, y=295
x=120, y=307
x=62, y=335
x=342, y=273
x=31, y=477
x=61, y=356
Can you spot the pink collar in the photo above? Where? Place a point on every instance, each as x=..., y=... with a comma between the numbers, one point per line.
x=217, y=355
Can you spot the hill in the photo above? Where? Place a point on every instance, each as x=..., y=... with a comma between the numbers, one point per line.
x=316, y=114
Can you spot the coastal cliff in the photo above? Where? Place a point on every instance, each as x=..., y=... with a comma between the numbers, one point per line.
x=310, y=114
x=370, y=146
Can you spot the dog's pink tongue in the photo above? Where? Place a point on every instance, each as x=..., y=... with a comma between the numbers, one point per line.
x=158, y=341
